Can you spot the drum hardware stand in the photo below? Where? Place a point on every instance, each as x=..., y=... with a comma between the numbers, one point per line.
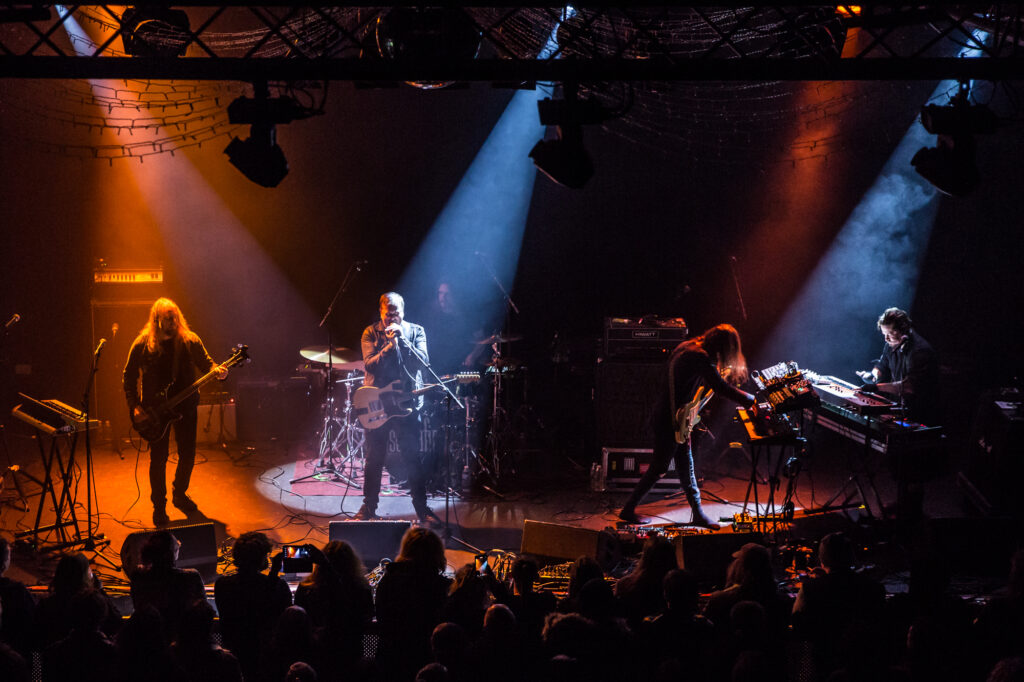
x=492, y=441
x=328, y=437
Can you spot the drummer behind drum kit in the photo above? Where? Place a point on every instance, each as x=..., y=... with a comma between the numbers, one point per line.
x=342, y=433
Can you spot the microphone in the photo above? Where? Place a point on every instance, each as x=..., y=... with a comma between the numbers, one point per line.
x=114, y=329
x=99, y=347
x=15, y=319
x=360, y=264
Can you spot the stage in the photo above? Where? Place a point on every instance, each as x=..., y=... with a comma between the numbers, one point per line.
x=246, y=487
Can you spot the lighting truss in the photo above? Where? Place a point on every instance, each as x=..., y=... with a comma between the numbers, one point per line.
x=631, y=42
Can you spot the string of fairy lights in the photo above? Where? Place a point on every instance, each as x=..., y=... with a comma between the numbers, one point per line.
x=708, y=121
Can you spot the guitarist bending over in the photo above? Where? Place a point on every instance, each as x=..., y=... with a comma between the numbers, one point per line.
x=697, y=367
x=164, y=359
x=394, y=351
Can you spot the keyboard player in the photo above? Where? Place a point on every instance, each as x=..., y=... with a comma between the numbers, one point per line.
x=908, y=369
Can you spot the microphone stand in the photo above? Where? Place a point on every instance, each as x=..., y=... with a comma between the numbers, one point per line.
x=328, y=439
x=92, y=542
x=450, y=398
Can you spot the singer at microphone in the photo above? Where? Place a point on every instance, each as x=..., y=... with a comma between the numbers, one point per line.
x=397, y=373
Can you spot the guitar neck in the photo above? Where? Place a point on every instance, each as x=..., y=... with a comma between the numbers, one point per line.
x=196, y=385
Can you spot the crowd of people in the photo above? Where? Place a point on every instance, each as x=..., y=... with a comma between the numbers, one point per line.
x=417, y=624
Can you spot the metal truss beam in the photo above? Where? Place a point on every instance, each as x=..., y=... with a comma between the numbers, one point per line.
x=619, y=42
x=502, y=71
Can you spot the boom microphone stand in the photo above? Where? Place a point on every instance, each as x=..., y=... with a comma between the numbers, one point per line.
x=450, y=398
x=92, y=541
x=329, y=439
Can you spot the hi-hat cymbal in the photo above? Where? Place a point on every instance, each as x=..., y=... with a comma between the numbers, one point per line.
x=340, y=358
x=500, y=338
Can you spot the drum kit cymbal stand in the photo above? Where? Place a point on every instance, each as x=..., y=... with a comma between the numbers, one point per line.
x=494, y=459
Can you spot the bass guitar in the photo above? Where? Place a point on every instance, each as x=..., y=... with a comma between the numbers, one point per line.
x=688, y=415
x=156, y=420
x=374, y=406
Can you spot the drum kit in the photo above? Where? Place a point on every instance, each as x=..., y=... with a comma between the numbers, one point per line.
x=485, y=460
x=340, y=438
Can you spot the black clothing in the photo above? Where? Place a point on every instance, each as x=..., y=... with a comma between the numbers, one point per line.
x=249, y=605
x=689, y=367
x=340, y=610
x=170, y=591
x=395, y=364
x=400, y=435
x=16, y=623
x=162, y=375
x=410, y=599
x=915, y=363
x=80, y=657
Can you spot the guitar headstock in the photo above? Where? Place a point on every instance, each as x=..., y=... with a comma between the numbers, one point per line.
x=239, y=355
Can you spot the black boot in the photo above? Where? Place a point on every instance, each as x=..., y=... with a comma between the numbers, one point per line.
x=366, y=513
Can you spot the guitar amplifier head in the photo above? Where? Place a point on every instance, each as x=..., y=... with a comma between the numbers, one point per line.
x=642, y=338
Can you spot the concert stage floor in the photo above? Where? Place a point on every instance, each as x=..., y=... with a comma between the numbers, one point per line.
x=241, y=489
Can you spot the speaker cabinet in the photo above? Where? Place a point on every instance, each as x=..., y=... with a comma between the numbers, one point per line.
x=708, y=555
x=624, y=398
x=129, y=316
x=372, y=540
x=198, y=549
x=275, y=409
x=555, y=543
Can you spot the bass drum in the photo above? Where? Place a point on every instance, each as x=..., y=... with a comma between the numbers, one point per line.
x=432, y=441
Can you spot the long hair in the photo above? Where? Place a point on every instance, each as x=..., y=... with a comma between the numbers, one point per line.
x=722, y=343
x=346, y=564
x=423, y=547
x=164, y=307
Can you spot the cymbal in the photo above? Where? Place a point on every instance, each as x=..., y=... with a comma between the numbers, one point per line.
x=500, y=338
x=340, y=358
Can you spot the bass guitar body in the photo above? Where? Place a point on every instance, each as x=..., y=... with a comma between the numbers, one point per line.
x=156, y=419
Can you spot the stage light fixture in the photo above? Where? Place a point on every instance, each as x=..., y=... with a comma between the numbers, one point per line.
x=564, y=159
x=259, y=158
x=151, y=31
x=427, y=35
x=951, y=166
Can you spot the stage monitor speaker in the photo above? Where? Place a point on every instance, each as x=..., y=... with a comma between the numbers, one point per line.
x=707, y=555
x=624, y=398
x=554, y=543
x=372, y=540
x=198, y=549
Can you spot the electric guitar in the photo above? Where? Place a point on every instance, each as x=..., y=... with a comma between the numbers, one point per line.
x=688, y=415
x=156, y=420
x=374, y=406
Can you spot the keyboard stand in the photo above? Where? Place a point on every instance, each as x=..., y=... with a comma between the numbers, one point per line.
x=65, y=522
